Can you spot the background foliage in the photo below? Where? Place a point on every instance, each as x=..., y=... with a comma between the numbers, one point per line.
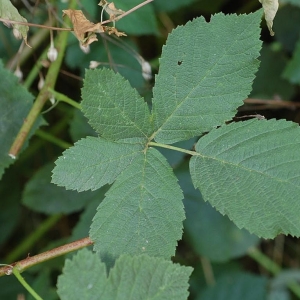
x=212, y=244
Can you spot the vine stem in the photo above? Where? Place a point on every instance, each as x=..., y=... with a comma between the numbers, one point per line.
x=28, y=262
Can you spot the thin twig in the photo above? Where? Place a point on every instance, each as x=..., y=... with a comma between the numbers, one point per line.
x=35, y=25
x=128, y=12
x=42, y=257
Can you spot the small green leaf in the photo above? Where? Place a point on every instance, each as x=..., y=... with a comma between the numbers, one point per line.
x=114, y=109
x=9, y=12
x=206, y=71
x=142, y=211
x=93, y=162
x=143, y=277
x=250, y=171
x=132, y=278
x=84, y=277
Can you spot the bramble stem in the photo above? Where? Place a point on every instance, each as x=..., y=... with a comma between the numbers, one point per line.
x=43, y=96
x=28, y=262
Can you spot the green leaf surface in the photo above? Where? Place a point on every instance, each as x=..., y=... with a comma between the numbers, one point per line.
x=43, y=196
x=9, y=12
x=132, y=278
x=140, y=22
x=143, y=277
x=206, y=71
x=84, y=277
x=94, y=162
x=236, y=287
x=210, y=234
x=15, y=102
x=292, y=70
x=250, y=171
x=142, y=211
x=114, y=109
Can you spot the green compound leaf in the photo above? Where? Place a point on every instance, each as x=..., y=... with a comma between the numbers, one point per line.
x=132, y=278
x=114, y=109
x=94, y=162
x=250, y=171
x=142, y=212
x=206, y=71
x=9, y=12
x=15, y=103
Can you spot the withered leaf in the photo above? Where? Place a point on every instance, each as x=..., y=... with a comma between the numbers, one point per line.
x=270, y=8
x=113, y=30
x=85, y=30
x=110, y=8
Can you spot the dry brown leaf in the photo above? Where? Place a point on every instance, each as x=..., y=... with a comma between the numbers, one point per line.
x=110, y=8
x=84, y=30
x=113, y=30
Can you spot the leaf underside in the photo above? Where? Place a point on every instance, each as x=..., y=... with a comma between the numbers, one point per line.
x=251, y=172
